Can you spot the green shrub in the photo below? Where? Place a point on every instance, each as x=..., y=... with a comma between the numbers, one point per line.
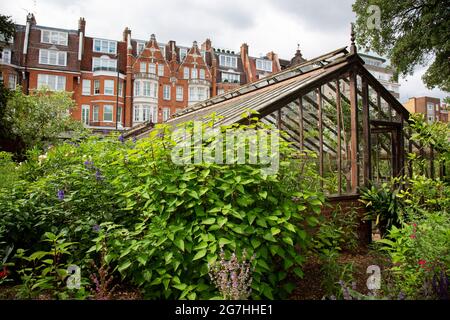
x=161, y=223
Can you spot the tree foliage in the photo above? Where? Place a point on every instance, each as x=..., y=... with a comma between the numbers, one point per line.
x=411, y=33
x=39, y=117
x=6, y=27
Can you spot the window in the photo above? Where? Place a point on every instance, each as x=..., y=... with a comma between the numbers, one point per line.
x=183, y=53
x=109, y=87
x=228, y=61
x=107, y=113
x=430, y=107
x=85, y=114
x=202, y=73
x=96, y=86
x=166, y=92
x=152, y=68
x=120, y=88
x=163, y=50
x=86, y=87
x=52, y=57
x=430, y=119
x=146, y=88
x=231, y=77
x=119, y=114
x=220, y=91
x=56, y=83
x=204, y=55
x=166, y=114
x=95, y=113
x=198, y=93
x=194, y=73
x=186, y=73
x=265, y=65
x=104, y=64
x=6, y=55
x=145, y=113
x=137, y=88
x=12, y=81
x=105, y=46
x=160, y=70
x=179, y=93
x=140, y=47
x=54, y=37
x=143, y=67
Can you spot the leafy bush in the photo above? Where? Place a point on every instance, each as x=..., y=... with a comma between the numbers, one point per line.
x=382, y=204
x=159, y=224
x=420, y=251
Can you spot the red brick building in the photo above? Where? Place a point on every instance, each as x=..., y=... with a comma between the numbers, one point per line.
x=428, y=106
x=120, y=84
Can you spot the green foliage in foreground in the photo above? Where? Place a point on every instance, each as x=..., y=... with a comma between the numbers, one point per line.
x=158, y=224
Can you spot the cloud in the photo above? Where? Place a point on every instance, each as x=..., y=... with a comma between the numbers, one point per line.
x=266, y=25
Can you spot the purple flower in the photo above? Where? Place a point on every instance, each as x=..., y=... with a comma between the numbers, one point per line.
x=88, y=163
x=61, y=195
x=121, y=138
x=98, y=175
x=96, y=228
x=134, y=139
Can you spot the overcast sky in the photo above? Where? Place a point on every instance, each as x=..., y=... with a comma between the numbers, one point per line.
x=318, y=26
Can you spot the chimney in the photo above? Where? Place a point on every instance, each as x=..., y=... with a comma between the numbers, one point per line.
x=244, y=54
x=31, y=19
x=206, y=46
x=125, y=34
x=82, y=25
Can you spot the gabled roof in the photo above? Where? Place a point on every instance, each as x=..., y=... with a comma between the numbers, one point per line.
x=277, y=90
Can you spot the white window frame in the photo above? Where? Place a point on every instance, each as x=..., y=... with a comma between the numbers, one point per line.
x=162, y=48
x=143, y=67
x=95, y=113
x=86, y=87
x=186, y=73
x=97, y=87
x=112, y=112
x=194, y=73
x=179, y=93
x=104, y=62
x=140, y=47
x=264, y=65
x=228, y=61
x=137, y=88
x=45, y=57
x=231, y=77
x=12, y=81
x=6, y=55
x=183, y=53
x=105, y=46
x=84, y=107
x=108, y=87
x=58, y=81
x=202, y=74
x=152, y=68
x=166, y=92
x=55, y=37
x=160, y=70
x=166, y=114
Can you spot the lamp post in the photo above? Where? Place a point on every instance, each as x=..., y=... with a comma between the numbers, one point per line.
x=117, y=91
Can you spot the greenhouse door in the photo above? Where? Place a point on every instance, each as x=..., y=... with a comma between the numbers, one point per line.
x=385, y=150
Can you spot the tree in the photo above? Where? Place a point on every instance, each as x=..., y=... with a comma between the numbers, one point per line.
x=6, y=27
x=39, y=118
x=410, y=33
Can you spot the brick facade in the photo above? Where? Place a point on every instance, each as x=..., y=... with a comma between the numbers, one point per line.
x=147, y=80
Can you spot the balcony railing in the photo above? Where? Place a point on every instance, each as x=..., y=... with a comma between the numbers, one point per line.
x=110, y=69
x=145, y=75
x=201, y=82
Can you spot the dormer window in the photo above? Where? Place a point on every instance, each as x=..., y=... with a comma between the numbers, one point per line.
x=140, y=47
x=228, y=61
x=163, y=50
x=54, y=37
x=183, y=53
x=105, y=46
x=264, y=65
